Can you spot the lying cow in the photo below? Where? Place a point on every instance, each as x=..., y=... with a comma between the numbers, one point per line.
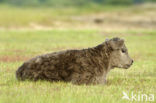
x=86, y=66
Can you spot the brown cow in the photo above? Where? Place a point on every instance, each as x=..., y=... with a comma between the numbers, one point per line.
x=86, y=66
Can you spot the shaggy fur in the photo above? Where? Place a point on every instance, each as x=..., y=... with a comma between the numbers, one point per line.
x=86, y=66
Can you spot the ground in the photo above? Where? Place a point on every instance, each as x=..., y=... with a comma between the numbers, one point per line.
x=20, y=44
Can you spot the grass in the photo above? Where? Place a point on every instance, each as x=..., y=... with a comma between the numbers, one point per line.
x=28, y=16
x=16, y=46
x=84, y=17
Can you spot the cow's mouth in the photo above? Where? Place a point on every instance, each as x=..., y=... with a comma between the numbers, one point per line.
x=127, y=66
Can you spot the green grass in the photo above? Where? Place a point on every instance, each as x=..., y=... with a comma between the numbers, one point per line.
x=16, y=46
x=23, y=17
x=27, y=16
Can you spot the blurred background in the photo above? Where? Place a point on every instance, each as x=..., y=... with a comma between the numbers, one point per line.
x=77, y=14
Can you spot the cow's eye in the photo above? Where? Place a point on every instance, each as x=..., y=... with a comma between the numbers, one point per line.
x=123, y=51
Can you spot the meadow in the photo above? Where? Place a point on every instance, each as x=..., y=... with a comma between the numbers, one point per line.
x=19, y=42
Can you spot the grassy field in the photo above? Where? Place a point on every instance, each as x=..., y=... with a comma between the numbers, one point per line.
x=17, y=46
x=109, y=17
x=19, y=41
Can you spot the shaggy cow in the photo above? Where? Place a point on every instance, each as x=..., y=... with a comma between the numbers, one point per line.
x=86, y=66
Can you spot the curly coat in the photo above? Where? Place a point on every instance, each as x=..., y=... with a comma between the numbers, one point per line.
x=86, y=66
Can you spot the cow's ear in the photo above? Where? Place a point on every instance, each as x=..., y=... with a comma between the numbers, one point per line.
x=116, y=43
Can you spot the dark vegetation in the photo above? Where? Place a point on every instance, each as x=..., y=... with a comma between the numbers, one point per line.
x=62, y=3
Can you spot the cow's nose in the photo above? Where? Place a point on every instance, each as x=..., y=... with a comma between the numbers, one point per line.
x=132, y=62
